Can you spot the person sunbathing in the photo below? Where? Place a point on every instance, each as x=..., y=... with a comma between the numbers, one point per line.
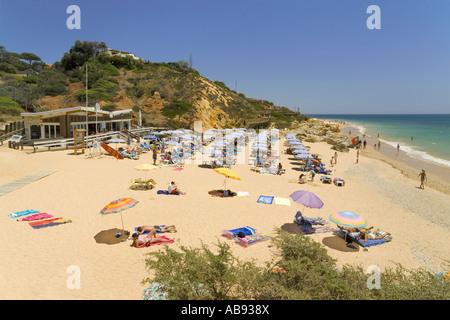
x=154, y=229
x=144, y=241
x=366, y=234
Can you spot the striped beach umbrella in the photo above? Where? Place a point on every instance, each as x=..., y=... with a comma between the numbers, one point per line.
x=118, y=206
x=348, y=219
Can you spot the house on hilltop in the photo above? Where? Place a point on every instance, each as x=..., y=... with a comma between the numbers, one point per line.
x=119, y=53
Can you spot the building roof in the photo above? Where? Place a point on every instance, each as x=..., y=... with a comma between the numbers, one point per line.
x=73, y=111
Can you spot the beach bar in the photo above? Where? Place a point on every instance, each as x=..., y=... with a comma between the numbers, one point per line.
x=61, y=123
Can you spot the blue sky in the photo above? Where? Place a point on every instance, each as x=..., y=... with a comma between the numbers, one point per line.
x=317, y=55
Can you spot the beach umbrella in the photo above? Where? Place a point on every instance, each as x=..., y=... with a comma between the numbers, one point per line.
x=146, y=167
x=303, y=156
x=228, y=173
x=172, y=143
x=116, y=141
x=307, y=199
x=149, y=137
x=348, y=219
x=118, y=206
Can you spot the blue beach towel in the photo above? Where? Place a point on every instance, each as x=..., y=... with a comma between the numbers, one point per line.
x=166, y=192
x=157, y=231
x=247, y=231
x=22, y=213
x=265, y=199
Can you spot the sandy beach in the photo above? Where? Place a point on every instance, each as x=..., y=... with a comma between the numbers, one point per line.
x=36, y=263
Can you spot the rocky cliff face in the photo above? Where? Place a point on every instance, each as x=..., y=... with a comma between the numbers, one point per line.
x=321, y=131
x=177, y=98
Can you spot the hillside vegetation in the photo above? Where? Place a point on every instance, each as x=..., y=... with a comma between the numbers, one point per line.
x=168, y=94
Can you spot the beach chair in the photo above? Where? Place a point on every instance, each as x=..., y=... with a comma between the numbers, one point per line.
x=325, y=179
x=129, y=155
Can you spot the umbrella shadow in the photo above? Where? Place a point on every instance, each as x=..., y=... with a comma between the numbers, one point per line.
x=336, y=243
x=291, y=228
x=109, y=236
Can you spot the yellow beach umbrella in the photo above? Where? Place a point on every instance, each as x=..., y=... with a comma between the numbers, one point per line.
x=146, y=167
x=228, y=173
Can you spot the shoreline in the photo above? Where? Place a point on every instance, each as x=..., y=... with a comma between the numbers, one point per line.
x=438, y=177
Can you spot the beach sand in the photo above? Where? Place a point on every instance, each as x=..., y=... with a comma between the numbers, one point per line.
x=39, y=263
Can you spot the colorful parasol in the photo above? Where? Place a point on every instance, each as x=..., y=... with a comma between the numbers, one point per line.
x=348, y=219
x=118, y=206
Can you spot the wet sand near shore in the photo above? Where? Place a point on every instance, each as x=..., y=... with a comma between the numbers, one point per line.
x=438, y=176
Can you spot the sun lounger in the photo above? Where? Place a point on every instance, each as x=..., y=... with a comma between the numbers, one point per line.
x=247, y=231
x=249, y=240
x=339, y=182
x=325, y=179
x=129, y=155
x=355, y=238
x=368, y=243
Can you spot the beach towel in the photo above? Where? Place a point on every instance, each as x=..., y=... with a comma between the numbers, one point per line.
x=178, y=169
x=219, y=193
x=265, y=199
x=282, y=201
x=314, y=229
x=49, y=223
x=166, y=192
x=242, y=194
x=36, y=216
x=157, y=230
x=158, y=243
x=247, y=231
x=249, y=240
x=22, y=213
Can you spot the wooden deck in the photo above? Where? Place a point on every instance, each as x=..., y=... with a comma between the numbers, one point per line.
x=19, y=183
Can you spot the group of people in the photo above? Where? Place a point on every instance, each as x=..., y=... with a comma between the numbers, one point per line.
x=364, y=234
x=141, y=239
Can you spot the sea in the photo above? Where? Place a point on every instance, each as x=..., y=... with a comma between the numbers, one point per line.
x=424, y=137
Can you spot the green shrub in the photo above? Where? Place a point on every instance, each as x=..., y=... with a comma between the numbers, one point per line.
x=200, y=273
x=103, y=90
x=9, y=106
x=176, y=108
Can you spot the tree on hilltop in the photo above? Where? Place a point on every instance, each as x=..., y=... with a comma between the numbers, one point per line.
x=81, y=52
x=30, y=57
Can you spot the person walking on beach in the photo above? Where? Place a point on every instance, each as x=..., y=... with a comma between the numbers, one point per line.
x=357, y=156
x=398, y=149
x=365, y=143
x=379, y=145
x=423, y=178
x=335, y=157
x=155, y=154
